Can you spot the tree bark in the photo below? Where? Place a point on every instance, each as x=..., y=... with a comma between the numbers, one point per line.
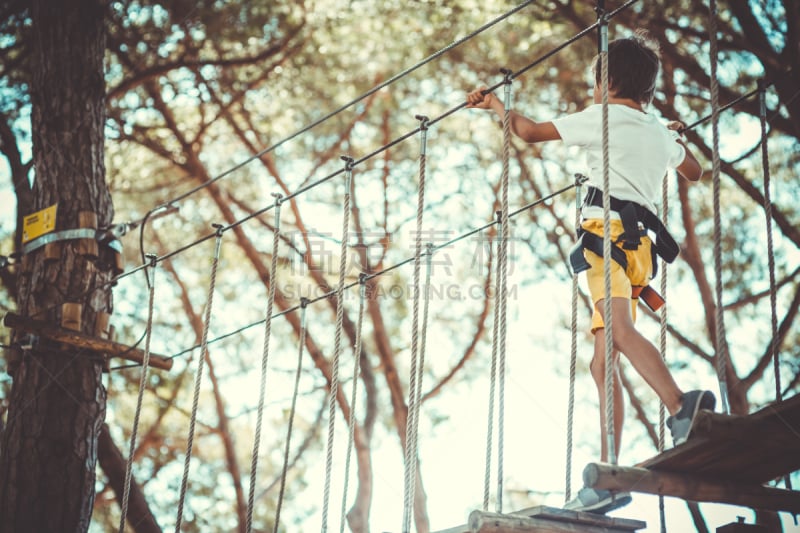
x=57, y=401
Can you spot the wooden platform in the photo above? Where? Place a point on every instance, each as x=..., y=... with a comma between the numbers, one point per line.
x=728, y=459
x=544, y=519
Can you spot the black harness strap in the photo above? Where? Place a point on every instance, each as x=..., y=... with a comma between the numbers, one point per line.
x=593, y=243
x=633, y=214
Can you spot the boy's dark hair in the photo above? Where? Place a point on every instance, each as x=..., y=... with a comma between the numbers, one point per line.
x=633, y=66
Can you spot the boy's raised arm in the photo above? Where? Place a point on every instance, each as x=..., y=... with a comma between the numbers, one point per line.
x=525, y=128
x=689, y=168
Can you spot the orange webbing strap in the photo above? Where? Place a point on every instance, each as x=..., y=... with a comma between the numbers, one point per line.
x=649, y=296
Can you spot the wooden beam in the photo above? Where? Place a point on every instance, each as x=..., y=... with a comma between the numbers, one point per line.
x=688, y=487
x=83, y=341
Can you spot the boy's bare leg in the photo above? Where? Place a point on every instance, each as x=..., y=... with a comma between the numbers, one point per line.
x=643, y=355
x=598, y=369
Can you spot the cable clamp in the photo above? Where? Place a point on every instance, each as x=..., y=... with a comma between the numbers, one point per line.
x=580, y=179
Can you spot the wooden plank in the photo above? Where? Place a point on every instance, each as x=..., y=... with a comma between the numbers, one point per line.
x=753, y=449
x=690, y=487
x=83, y=341
x=564, y=515
x=549, y=520
x=544, y=519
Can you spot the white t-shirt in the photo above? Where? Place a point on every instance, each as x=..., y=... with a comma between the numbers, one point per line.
x=640, y=150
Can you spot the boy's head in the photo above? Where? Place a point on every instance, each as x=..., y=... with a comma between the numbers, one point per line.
x=633, y=66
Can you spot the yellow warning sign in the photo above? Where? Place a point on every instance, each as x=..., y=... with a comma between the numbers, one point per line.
x=39, y=223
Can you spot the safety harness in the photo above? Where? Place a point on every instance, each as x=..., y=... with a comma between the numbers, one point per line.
x=637, y=221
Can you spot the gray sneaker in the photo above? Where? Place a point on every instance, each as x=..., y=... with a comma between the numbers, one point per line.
x=680, y=424
x=598, y=501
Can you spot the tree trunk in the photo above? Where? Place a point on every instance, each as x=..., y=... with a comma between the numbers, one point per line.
x=57, y=401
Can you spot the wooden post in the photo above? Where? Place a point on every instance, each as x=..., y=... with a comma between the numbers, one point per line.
x=86, y=342
x=52, y=251
x=87, y=219
x=688, y=487
x=71, y=316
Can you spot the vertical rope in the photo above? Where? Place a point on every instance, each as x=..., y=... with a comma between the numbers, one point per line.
x=337, y=352
x=264, y=359
x=773, y=296
x=293, y=409
x=573, y=353
x=424, y=330
x=487, y=474
x=503, y=260
x=353, y=396
x=722, y=345
x=773, y=304
x=199, y=378
x=663, y=344
x=607, y=319
x=142, y=381
x=413, y=395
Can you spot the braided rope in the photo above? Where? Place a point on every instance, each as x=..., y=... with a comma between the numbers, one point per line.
x=487, y=474
x=662, y=342
x=607, y=315
x=503, y=262
x=337, y=351
x=573, y=356
x=413, y=396
x=425, y=311
x=264, y=359
x=142, y=381
x=773, y=304
x=292, y=411
x=199, y=378
x=721, y=345
x=353, y=398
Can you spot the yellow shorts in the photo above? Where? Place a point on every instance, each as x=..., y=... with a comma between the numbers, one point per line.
x=638, y=273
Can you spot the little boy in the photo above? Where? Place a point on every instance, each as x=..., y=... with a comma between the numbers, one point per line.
x=641, y=149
